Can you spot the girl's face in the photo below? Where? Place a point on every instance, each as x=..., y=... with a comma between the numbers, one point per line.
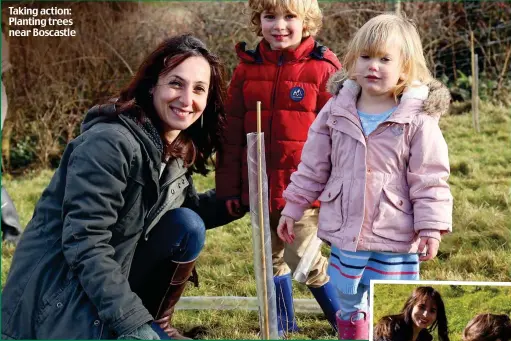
x=424, y=314
x=378, y=75
x=181, y=95
x=282, y=31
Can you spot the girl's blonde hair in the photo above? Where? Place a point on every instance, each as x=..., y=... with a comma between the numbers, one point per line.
x=374, y=38
x=308, y=10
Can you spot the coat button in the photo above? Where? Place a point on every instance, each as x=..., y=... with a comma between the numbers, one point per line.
x=354, y=239
x=96, y=323
x=400, y=202
x=334, y=122
x=59, y=305
x=329, y=195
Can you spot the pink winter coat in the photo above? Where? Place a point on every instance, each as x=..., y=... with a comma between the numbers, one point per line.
x=379, y=193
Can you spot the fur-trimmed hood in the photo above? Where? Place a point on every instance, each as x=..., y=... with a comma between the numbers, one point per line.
x=436, y=104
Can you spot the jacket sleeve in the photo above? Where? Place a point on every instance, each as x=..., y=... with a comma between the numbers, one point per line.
x=97, y=175
x=228, y=161
x=313, y=172
x=428, y=171
x=208, y=206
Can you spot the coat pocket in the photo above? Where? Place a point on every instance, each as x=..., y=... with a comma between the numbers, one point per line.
x=332, y=211
x=394, y=219
x=56, y=300
x=69, y=314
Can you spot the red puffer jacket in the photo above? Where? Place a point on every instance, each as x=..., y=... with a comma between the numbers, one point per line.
x=291, y=86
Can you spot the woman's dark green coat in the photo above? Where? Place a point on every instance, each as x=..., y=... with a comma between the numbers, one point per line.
x=68, y=278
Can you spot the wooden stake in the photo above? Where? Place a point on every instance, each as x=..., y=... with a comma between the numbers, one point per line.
x=474, y=90
x=266, y=327
x=397, y=7
x=504, y=69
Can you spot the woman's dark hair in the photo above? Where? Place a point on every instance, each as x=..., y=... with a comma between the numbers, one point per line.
x=197, y=143
x=387, y=325
x=488, y=327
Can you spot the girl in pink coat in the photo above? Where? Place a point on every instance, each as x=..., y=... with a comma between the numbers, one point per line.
x=377, y=161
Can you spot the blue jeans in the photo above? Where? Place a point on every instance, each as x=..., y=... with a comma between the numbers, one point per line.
x=352, y=303
x=179, y=236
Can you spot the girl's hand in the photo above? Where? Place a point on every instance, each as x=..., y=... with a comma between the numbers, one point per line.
x=285, y=229
x=432, y=244
x=234, y=207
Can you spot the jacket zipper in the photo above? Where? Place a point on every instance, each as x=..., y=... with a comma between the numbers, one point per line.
x=273, y=96
x=366, y=139
x=155, y=207
x=101, y=332
x=359, y=127
x=162, y=190
x=131, y=260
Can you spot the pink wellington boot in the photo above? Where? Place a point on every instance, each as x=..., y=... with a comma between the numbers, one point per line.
x=353, y=330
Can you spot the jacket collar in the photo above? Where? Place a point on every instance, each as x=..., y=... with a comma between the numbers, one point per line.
x=264, y=52
x=411, y=102
x=146, y=133
x=174, y=169
x=143, y=130
x=302, y=51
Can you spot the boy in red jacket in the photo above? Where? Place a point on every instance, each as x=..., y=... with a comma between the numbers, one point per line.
x=287, y=72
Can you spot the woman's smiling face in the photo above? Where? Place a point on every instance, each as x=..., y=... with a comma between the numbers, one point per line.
x=181, y=95
x=424, y=314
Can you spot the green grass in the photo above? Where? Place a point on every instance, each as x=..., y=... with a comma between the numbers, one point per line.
x=479, y=248
x=462, y=303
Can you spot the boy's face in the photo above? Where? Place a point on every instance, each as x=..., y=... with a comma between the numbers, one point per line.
x=283, y=31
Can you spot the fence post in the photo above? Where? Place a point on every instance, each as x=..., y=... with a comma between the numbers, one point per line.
x=504, y=69
x=397, y=6
x=475, y=84
x=476, y=89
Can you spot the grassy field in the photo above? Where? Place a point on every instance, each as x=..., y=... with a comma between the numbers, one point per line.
x=462, y=303
x=479, y=248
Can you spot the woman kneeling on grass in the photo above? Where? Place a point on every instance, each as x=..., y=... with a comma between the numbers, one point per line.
x=115, y=236
x=422, y=313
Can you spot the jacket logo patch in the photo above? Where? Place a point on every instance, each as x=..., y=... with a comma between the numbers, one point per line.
x=297, y=94
x=396, y=130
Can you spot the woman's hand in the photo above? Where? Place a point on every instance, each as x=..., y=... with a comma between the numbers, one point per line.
x=234, y=207
x=285, y=229
x=432, y=244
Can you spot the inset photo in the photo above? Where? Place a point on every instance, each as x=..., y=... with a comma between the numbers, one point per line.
x=440, y=311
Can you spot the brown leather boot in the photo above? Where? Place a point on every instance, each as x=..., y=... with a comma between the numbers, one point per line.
x=162, y=301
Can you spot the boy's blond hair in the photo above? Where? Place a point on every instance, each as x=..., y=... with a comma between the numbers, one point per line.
x=377, y=34
x=308, y=10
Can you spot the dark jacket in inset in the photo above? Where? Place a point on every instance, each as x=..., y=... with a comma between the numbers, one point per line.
x=400, y=333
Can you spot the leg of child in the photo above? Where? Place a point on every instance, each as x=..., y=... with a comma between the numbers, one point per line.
x=286, y=322
x=305, y=229
x=280, y=267
x=317, y=280
x=354, y=326
x=353, y=303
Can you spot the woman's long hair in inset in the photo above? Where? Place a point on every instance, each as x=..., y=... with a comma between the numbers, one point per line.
x=386, y=326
